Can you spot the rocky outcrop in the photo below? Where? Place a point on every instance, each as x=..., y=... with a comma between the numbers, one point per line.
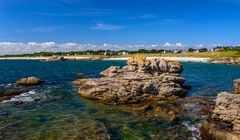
x=14, y=91
x=225, y=60
x=29, y=81
x=140, y=81
x=236, y=86
x=211, y=130
x=227, y=109
x=8, y=94
x=56, y=58
x=224, y=121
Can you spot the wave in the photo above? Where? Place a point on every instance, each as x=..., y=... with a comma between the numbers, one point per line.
x=194, y=128
x=29, y=96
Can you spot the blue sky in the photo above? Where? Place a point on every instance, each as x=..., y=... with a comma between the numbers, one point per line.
x=121, y=21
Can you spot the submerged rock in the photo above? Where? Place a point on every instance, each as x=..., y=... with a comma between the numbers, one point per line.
x=80, y=75
x=8, y=94
x=140, y=81
x=29, y=81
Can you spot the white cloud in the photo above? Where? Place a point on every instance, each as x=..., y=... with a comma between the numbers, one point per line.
x=167, y=44
x=179, y=44
x=31, y=47
x=102, y=26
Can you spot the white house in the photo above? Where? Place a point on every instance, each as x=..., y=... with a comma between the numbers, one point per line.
x=123, y=53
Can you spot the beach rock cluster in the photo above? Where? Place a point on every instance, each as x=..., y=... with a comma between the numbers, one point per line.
x=22, y=86
x=56, y=58
x=141, y=80
x=225, y=60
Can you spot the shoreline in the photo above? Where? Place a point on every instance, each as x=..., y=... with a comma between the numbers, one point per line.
x=43, y=58
x=181, y=59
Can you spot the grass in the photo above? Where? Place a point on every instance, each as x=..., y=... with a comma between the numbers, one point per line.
x=192, y=54
x=184, y=54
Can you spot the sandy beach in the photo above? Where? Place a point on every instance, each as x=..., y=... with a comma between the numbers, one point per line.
x=181, y=59
x=43, y=58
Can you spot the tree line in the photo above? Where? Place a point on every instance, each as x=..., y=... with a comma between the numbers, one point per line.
x=123, y=52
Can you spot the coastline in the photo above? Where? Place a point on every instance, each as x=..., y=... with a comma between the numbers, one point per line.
x=43, y=58
x=181, y=59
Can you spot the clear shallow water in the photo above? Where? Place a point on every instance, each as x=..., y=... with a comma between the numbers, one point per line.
x=53, y=110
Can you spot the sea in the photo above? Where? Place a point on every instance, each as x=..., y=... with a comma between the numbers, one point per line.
x=53, y=110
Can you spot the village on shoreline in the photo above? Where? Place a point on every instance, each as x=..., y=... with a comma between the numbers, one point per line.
x=220, y=54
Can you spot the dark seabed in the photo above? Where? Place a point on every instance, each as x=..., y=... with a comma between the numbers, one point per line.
x=54, y=111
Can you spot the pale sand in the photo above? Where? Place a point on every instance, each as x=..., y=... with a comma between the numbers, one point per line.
x=42, y=58
x=181, y=59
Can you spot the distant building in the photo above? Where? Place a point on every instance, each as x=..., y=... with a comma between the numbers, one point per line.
x=218, y=48
x=107, y=53
x=123, y=53
x=177, y=51
x=196, y=51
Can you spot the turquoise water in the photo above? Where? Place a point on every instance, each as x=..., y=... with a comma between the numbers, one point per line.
x=54, y=111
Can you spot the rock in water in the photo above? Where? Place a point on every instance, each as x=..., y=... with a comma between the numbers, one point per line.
x=227, y=109
x=224, y=123
x=8, y=94
x=141, y=80
x=29, y=81
x=80, y=75
x=56, y=58
x=225, y=60
x=213, y=131
x=237, y=86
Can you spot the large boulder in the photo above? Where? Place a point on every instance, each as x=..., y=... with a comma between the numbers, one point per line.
x=227, y=109
x=211, y=130
x=236, y=86
x=224, y=121
x=140, y=81
x=29, y=81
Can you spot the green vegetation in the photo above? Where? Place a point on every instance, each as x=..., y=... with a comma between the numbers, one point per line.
x=201, y=54
x=217, y=52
